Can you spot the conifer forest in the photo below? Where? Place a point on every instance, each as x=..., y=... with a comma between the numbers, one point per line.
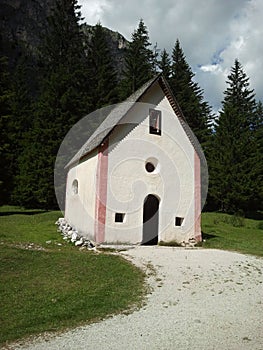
x=72, y=71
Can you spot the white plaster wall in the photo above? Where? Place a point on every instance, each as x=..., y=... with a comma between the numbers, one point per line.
x=80, y=208
x=129, y=183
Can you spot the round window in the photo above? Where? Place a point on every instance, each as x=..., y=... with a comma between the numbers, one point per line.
x=152, y=165
x=149, y=167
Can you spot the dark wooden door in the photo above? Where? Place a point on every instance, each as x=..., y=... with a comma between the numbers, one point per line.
x=150, y=220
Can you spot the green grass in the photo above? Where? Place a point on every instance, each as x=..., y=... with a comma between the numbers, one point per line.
x=60, y=286
x=230, y=232
x=53, y=286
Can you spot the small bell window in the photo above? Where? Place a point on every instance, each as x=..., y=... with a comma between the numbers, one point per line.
x=155, y=121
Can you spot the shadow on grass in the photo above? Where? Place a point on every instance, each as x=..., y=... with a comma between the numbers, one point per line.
x=8, y=213
x=255, y=215
x=207, y=236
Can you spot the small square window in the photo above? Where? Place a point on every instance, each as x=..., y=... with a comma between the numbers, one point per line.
x=119, y=217
x=178, y=221
x=155, y=122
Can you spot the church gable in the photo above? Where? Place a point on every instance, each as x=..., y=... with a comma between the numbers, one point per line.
x=151, y=92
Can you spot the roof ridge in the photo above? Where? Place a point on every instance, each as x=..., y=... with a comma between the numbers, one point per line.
x=122, y=108
x=103, y=130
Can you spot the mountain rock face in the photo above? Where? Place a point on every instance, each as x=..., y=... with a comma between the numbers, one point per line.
x=117, y=45
x=23, y=23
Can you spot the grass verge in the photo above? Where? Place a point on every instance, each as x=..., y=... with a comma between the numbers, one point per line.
x=230, y=232
x=53, y=286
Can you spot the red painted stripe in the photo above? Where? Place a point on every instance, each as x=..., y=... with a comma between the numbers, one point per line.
x=101, y=192
x=198, y=235
x=66, y=198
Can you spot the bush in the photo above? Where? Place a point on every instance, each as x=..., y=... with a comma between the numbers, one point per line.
x=238, y=219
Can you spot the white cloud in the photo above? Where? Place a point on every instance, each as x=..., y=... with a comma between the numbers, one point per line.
x=212, y=33
x=212, y=68
x=93, y=10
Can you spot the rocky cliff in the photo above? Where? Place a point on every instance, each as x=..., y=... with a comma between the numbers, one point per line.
x=23, y=22
x=117, y=45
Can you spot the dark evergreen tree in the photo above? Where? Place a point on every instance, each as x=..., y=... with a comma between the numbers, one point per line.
x=62, y=102
x=189, y=95
x=23, y=85
x=257, y=169
x=103, y=77
x=165, y=64
x=61, y=40
x=257, y=126
x=139, y=62
x=155, y=58
x=16, y=77
x=232, y=168
x=6, y=95
x=64, y=68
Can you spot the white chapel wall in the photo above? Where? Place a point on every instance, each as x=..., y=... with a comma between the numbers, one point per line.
x=129, y=183
x=80, y=207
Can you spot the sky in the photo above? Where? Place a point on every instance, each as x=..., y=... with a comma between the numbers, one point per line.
x=212, y=33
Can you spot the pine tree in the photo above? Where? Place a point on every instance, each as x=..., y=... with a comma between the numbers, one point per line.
x=61, y=103
x=165, y=64
x=189, y=95
x=139, y=62
x=62, y=56
x=232, y=173
x=16, y=77
x=155, y=58
x=257, y=126
x=257, y=139
x=61, y=40
x=23, y=93
x=103, y=77
x=6, y=95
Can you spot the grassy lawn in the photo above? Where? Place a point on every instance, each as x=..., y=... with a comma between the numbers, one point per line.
x=229, y=232
x=53, y=286
x=47, y=284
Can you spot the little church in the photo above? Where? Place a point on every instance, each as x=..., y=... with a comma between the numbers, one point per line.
x=137, y=179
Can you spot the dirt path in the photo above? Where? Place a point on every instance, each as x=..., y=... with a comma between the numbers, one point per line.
x=200, y=299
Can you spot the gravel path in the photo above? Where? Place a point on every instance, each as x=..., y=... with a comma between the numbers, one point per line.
x=200, y=299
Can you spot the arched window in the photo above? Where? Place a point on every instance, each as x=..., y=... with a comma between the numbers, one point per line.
x=75, y=187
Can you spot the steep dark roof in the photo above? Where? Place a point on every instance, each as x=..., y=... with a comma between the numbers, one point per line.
x=115, y=116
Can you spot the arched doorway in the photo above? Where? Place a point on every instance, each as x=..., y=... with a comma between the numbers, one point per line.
x=150, y=220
